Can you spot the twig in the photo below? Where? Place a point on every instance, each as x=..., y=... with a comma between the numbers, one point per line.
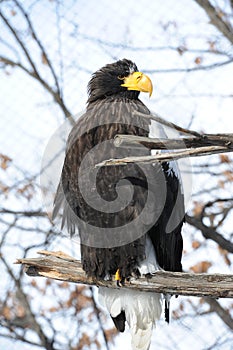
x=55, y=95
x=220, y=311
x=61, y=267
x=216, y=19
x=44, y=53
x=21, y=44
x=97, y=313
x=164, y=157
x=158, y=119
x=121, y=45
x=225, y=140
x=34, y=71
x=209, y=232
x=24, y=213
x=190, y=69
x=48, y=344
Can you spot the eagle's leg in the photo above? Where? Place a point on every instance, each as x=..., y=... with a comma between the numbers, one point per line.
x=118, y=278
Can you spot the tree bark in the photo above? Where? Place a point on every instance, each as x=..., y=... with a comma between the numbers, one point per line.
x=205, y=140
x=59, y=266
x=166, y=157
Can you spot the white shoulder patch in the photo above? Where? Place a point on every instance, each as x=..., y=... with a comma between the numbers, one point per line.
x=149, y=265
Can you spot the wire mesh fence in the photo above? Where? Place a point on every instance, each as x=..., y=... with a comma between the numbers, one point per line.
x=48, y=51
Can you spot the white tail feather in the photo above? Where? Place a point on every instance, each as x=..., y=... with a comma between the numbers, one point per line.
x=142, y=309
x=142, y=338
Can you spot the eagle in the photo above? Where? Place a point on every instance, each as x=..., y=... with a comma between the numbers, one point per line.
x=128, y=217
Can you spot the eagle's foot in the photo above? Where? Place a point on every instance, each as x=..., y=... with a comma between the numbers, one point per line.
x=118, y=279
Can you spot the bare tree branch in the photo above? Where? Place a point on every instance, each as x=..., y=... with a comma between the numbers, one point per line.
x=55, y=95
x=97, y=312
x=225, y=140
x=165, y=157
x=43, y=51
x=60, y=266
x=212, y=144
x=16, y=337
x=181, y=49
x=216, y=19
x=220, y=311
x=21, y=44
x=158, y=119
x=24, y=213
x=48, y=344
x=190, y=69
x=34, y=72
x=209, y=232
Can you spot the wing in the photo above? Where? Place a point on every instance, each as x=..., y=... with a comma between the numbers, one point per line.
x=166, y=234
x=96, y=201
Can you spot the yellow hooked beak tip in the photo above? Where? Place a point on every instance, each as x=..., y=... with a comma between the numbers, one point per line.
x=139, y=82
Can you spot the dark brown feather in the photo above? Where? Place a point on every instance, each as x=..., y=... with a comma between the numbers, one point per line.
x=115, y=110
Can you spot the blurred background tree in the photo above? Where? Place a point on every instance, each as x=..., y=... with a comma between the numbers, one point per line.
x=48, y=50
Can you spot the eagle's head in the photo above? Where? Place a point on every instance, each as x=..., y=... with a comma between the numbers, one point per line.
x=118, y=79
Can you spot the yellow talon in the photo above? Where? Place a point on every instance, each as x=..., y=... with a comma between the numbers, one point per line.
x=118, y=275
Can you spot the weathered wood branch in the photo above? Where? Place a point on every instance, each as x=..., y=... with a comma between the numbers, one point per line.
x=59, y=266
x=166, y=156
x=205, y=140
x=197, y=145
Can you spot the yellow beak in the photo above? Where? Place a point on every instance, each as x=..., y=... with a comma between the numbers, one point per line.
x=139, y=82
